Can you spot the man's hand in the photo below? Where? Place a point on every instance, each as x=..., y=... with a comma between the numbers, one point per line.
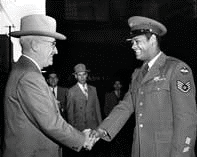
x=99, y=133
x=90, y=139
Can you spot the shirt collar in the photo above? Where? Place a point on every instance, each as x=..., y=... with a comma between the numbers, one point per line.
x=150, y=64
x=81, y=86
x=33, y=61
x=53, y=87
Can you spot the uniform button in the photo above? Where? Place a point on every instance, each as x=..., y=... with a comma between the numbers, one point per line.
x=141, y=92
x=140, y=114
x=141, y=103
x=141, y=125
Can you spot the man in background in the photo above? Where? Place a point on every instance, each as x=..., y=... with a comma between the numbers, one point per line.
x=122, y=140
x=113, y=97
x=59, y=92
x=83, y=107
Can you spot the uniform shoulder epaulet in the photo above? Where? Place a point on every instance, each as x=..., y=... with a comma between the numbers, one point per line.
x=173, y=60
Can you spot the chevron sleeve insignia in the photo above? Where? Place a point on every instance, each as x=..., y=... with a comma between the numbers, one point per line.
x=183, y=87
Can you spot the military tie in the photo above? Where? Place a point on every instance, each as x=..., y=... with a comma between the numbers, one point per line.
x=145, y=70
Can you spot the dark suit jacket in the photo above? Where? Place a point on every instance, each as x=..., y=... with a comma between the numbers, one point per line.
x=83, y=113
x=111, y=100
x=165, y=107
x=61, y=97
x=33, y=123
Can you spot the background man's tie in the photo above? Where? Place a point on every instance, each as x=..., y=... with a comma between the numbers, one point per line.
x=54, y=92
x=85, y=91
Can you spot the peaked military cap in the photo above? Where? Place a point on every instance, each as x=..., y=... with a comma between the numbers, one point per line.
x=140, y=25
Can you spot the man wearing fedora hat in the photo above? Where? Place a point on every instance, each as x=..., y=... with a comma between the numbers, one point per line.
x=33, y=124
x=163, y=98
x=83, y=107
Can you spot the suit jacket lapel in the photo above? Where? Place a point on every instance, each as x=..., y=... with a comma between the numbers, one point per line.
x=59, y=92
x=154, y=70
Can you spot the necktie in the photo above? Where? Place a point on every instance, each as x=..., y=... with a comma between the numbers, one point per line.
x=145, y=70
x=53, y=91
x=85, y=91
x=118, y=93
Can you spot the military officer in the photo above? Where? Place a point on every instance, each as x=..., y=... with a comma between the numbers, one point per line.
x=163, y=98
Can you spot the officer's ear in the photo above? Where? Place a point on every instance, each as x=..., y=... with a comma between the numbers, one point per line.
x=153, y=39
x=75, y=75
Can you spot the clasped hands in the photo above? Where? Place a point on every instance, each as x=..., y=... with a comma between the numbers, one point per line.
x=92, y=136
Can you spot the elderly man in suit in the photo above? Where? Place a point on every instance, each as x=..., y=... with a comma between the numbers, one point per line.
x=83, y=107
x=33, y=124
x=163, y=98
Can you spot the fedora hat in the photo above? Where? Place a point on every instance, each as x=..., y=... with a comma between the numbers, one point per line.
x=38, y=24
x=80, y=68
x=141, y=25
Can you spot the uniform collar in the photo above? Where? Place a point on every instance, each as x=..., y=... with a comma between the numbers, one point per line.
x=150, y=64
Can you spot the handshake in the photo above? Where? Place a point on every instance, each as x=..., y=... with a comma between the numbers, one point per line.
x=92, y=136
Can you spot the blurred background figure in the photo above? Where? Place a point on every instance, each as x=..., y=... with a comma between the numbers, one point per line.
x=113, y=97
x=120, y=142
x=58, y=91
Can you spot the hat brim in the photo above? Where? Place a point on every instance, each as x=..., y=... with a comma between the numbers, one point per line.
x=131, y=36
x=55, y=35
x=81, y=71
x=137, y=33
x=144, y=31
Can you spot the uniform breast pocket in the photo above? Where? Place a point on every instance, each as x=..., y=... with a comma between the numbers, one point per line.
x=159, y=93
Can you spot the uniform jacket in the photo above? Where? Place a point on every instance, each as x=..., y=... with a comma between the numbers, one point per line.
x=165, y=108
x=83, y=113
x=33, y=124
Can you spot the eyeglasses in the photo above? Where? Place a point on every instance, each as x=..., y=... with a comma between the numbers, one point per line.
x=53, y=43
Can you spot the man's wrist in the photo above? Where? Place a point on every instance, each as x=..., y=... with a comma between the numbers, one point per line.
x=102, y=132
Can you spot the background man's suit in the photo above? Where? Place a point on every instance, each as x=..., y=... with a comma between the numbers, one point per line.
x=83, y=113
x=61, y=97
x=111, y=100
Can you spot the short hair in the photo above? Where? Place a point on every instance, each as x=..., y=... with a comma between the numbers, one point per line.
x=149, y=34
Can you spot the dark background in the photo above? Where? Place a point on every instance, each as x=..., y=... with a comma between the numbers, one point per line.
x=96, y=31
